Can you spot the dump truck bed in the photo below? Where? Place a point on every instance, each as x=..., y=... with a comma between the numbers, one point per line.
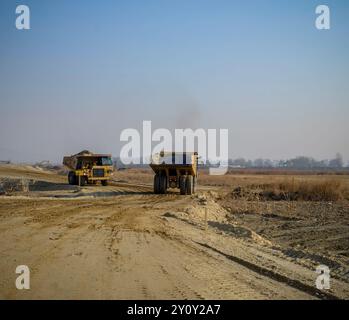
x=185, y=167
x=71, y=161
x=175, y=161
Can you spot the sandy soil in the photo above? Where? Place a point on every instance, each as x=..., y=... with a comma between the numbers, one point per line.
x=123, y=242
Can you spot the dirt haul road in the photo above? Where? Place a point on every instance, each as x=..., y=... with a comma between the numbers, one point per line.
x=123, y=242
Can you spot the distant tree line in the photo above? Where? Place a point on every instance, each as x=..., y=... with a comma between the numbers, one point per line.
x=295, y=163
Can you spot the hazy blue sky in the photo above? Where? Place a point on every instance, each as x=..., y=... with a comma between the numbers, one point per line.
x=88, y=69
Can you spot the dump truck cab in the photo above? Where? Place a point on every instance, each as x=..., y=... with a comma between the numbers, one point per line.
x=175, y=170
x=86, y=167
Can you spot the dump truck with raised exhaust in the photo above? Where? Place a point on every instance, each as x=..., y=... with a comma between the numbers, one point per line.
x=175, y=170
x=88, y=168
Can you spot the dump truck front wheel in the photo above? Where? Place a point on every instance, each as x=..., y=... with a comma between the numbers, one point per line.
x=72, y=178
x=82, y=181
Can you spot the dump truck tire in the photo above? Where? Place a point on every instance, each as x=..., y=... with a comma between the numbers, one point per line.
x=163, y=183
x=159, y=184
x=189, y=185
x=156, y=184
x=81, y=181
x=182, y=185
x=71, y=178
x=104, y=182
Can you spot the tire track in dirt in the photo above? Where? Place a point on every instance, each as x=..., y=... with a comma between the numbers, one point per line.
x=275, y=276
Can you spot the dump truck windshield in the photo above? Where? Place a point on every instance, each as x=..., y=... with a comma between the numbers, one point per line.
x=106, y=161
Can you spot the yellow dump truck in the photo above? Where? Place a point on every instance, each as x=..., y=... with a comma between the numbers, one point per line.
x=87, y=167
x=175, y=170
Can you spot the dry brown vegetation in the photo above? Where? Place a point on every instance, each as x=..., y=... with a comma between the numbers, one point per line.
x=256, y=186
x=292, y=190
x=328, y=190
x=288, y=171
